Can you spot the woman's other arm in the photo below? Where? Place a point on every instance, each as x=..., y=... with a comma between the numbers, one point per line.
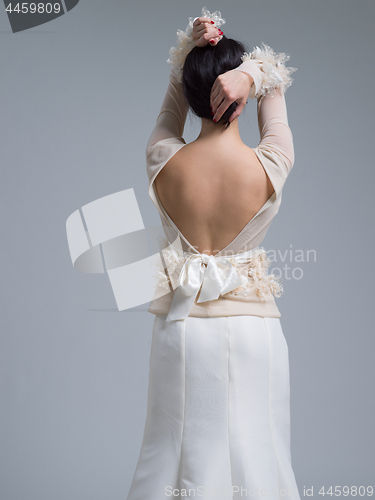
x=172, y=116
x=273, y=124
x=274, y=130
x=264, y=77
x=171, y=120
x=271, y=78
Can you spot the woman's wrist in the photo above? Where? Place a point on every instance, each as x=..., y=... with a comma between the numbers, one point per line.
x=254, y=75
x=250, y=78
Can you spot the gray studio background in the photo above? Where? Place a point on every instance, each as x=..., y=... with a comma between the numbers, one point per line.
x=79, y=98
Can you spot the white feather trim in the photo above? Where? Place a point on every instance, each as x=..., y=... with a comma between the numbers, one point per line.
x=275, y=73
x=185, y=42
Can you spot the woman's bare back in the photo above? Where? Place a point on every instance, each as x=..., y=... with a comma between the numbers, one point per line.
x=211, y=189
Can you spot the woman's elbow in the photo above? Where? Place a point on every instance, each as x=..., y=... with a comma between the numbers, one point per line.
x=291, y=159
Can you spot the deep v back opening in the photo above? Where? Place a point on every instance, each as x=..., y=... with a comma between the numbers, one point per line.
x=264, y=206
x=268, y=203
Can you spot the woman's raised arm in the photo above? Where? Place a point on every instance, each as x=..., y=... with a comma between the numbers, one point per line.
x=170, y=122
x=271, y=78
x=172, y=116
x=274, y=129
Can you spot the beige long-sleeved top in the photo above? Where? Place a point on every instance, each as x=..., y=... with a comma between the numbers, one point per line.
x=275, y=152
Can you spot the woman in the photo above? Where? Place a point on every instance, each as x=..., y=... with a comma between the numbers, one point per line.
x=218, y=418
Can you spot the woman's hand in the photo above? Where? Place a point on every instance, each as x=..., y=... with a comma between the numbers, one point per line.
x=205, y=32
x=228, y=87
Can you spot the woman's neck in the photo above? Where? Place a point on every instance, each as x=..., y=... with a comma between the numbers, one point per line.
x=215, y=130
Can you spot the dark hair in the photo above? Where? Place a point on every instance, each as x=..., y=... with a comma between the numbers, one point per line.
x=201, y=68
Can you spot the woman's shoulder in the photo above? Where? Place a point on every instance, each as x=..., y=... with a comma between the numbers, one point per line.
x=205, y=158
x=230, y=152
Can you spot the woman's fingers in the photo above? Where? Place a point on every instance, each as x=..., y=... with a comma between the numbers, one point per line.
x=205, y=36
x=238, y=111
x=201, y=19
x=215, y=91
x=205, y=32
x=221, y=108
x=217, y=96
x=224, y=105
x=202, y=24
x=215, y=41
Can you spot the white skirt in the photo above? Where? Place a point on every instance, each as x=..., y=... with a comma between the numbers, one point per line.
x=218, y=411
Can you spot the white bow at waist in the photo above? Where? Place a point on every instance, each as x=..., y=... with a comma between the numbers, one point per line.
x=213, y=276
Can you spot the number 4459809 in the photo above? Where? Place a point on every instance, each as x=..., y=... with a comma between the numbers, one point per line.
x=347, y=490
x=32, y=8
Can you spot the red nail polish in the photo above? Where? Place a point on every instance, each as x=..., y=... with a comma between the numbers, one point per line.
x=212, y=22
x=212, y=40
x=214, y=119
